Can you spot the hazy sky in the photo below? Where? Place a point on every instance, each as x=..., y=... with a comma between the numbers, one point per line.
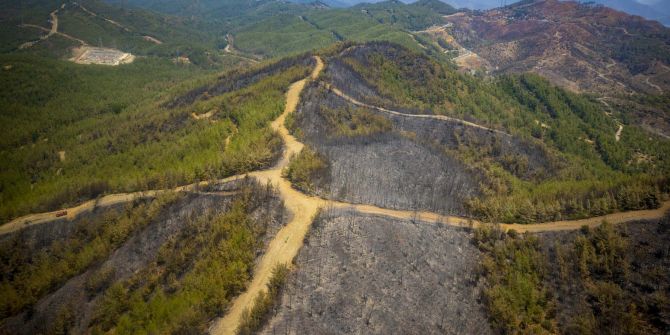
x=648, y=2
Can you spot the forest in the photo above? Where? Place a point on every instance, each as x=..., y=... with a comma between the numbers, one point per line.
x=70, y=149
x=185, y=278
x=605, y=280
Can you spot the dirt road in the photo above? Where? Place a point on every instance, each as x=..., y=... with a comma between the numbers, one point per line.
x=424, y=116
x=230, y=49
x=615, y=218
x=303, y=208
x=288, y=241
x=617, y=135
x=50, y=31
x=105, y=201
x=104, y=18
x=54, y=22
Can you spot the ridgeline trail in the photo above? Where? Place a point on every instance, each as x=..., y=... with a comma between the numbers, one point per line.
x=50, y=31
x=303, y=208
x=420, y=116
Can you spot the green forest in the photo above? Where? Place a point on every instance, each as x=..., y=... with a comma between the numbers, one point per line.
x=115, y=135
x=606, y=280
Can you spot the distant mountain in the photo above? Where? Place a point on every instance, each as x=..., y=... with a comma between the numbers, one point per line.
x=659, y=11
x=435, y=5
x=217, y=9
x=579, y=46
x=476, y=4
x=327, y=3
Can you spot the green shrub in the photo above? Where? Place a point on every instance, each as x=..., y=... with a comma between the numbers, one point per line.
x=517, y=299
x=30, y=276
x=305, y=169
x=254, y=319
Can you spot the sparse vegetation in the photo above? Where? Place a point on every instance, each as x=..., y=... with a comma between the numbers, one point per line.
x=27, y=275
x=253, y=320
x=195, y=276
x=305, y=168
x=350, y=122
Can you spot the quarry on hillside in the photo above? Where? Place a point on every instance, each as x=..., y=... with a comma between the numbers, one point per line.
x=102, y=56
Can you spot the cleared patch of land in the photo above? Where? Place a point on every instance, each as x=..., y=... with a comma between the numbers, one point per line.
x=103, y=56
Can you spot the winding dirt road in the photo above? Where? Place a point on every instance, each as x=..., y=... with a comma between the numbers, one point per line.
x=303, y=208
x=54, y=22
x=422, y=116
x=103, y=18
x=230, y=49
x=288, y=241
x=50, y=31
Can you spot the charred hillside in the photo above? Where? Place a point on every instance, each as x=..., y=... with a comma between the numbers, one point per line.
x=380, y=165
x=393, y=128
x=397, y=161
x=373, y=275
x=120, y=264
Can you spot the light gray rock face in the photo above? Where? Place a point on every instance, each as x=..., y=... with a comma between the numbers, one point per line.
x=361, y=274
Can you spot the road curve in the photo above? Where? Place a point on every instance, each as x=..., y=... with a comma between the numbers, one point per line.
x=421, y=116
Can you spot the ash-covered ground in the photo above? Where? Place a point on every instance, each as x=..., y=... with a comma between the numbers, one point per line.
x=362, y=274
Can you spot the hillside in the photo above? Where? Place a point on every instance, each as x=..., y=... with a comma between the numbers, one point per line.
x=506, y=150
x=581, y=47
x=621, y=59
x=317, y=28
x=75, y=147
x=101, y=278
x=94, y=23
x=406, y=156
x=245, y=167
